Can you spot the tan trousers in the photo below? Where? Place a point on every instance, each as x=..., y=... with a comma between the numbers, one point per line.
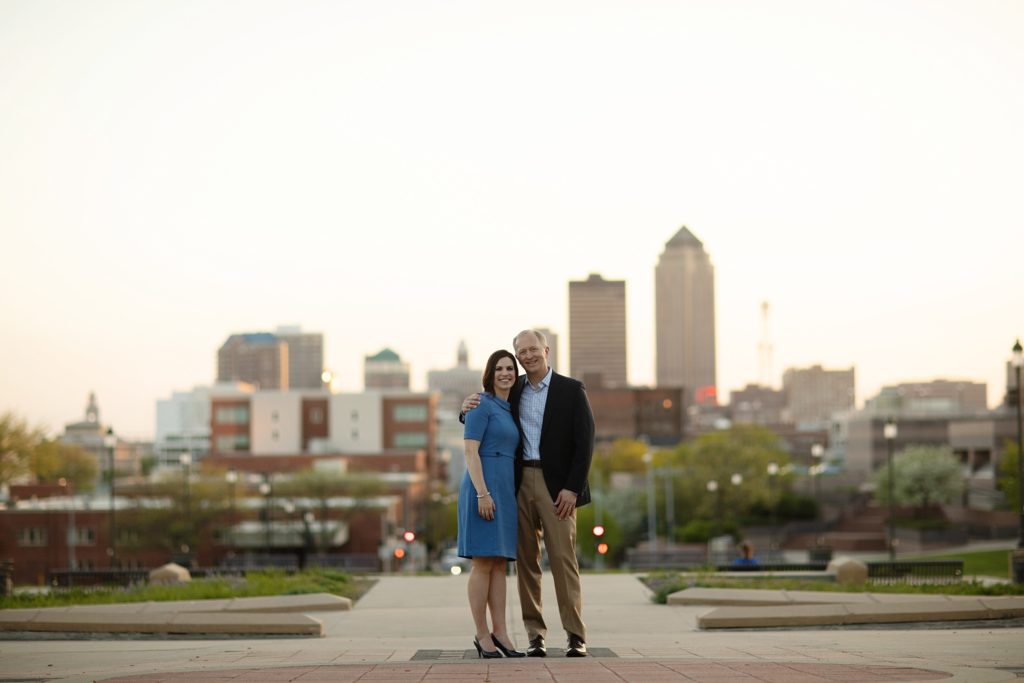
x=536, y=514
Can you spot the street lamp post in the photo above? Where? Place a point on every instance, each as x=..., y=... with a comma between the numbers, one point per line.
x=889, y=431
x=110, y=442
x=266, y=491
x=670, y=506
x=817, y=452
x=308, y=540
x=773, y=471
x=712, y=487
x=652, y=519
x=1018, y=555
x=231, y=477
x=186, y=497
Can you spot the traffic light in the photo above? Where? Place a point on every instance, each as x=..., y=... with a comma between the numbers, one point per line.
x=602, y=548
x=598, y=530
x=409, y=536
x=399, y=553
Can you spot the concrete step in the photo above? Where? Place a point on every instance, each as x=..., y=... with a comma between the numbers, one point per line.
x=970, y=609
x=163, y=623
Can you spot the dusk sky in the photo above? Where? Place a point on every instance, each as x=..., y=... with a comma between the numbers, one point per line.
x=408, y=174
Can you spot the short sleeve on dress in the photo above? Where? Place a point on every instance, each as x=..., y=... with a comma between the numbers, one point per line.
x=476, y=422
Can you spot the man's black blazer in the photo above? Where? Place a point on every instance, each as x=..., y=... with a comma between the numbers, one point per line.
x=566, y=438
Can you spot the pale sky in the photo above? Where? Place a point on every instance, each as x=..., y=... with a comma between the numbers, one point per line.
x=410, y=173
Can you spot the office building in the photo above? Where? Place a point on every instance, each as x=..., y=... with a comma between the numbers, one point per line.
x=938, y=397
x=257, y=358
x=305, y=357
x=597, y=331
x=455, y=383
x=684, y=302
x=813, y=394
x=385, y=370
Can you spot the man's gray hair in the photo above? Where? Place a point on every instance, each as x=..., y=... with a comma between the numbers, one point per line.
x=537, y=333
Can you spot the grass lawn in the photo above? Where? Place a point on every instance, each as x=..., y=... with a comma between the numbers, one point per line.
x=252, y=585
x=981, y=563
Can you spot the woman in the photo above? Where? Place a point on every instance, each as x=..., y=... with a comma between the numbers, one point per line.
x=487, y=504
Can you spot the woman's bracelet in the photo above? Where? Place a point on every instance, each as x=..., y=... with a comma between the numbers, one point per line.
x=483, y=495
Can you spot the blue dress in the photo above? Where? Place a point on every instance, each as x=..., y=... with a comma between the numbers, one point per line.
x=492, y=425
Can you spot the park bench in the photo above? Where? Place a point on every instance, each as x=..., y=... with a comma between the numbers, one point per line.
x=916, y=571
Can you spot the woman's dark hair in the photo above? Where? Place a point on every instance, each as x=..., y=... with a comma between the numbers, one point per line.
x=488, y=378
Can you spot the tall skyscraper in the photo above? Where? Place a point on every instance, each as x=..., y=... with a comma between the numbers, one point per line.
x=305, y=357
x=597, y=331
x=258, y=358
x=684, y=303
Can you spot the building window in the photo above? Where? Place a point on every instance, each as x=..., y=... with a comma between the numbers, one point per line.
x=233, y=415
x=84, y=535
x=32, y=536
x=274, y=435
x=355, y=435
x=273, y=416
x=316, y=416
x=410, y=440
x=406, y=412
x=231, y=443
x=355, y=416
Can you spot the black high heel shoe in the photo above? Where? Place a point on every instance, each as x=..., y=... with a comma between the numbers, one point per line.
x=482, y=653
x=507, y=651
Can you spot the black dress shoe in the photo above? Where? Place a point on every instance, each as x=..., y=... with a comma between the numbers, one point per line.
x=507, y=651
x=577, y=648
x=537, y=648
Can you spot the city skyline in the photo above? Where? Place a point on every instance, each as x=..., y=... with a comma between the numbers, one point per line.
x=408, y=176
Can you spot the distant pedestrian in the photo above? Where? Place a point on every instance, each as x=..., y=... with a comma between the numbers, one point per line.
x=746, y=557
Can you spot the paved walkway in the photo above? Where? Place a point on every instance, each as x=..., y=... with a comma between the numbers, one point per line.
x=402, y=617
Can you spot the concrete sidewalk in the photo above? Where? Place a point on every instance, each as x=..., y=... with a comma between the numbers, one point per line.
x=406, y=617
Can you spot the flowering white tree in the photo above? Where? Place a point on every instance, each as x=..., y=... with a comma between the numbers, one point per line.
x=923, y=476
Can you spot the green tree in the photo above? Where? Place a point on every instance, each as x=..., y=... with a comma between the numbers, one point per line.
x=1008, y=476
x=745, y=450
x=922, y=476
x=53, y=460
x=17, y=442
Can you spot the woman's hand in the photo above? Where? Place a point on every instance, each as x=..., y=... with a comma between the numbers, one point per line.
x=485, y=506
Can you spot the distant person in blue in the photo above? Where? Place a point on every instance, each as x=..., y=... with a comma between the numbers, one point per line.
x=746, y=558
x=487, y=504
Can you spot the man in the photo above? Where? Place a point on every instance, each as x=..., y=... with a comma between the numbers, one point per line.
x=552, y=465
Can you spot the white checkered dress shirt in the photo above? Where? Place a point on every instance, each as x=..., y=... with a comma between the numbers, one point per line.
x=531, y=415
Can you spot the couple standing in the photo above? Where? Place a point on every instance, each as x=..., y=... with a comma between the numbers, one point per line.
x=529, y=442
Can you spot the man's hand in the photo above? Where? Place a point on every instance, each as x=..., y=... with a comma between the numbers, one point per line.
x=565, y=503
x=472, y=401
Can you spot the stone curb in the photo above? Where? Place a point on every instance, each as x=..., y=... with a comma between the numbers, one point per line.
x=84, y=621
x=969, y=609
x=272, y=615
